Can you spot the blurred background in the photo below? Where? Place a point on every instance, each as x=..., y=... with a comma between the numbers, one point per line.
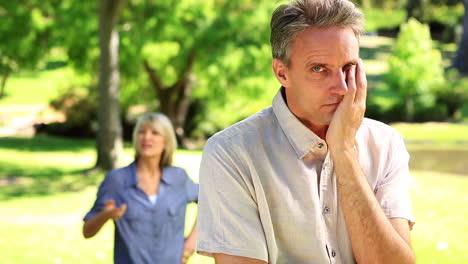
x=75, y=75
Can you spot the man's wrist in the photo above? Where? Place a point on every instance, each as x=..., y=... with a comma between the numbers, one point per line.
x=342, y=149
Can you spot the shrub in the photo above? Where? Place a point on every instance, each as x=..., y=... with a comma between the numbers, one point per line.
x=80, y=110
x=415, y=69
x=453, y=94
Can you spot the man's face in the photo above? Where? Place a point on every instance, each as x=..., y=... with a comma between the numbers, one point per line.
x=315, y=80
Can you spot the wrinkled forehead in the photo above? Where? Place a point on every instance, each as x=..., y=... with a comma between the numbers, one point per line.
x=325, y=45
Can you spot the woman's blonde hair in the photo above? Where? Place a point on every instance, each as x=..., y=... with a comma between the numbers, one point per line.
x=160, y=123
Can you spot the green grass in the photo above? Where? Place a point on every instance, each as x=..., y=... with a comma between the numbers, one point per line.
x=439, y=201
x=434, y=133
x=39, y=87
x=41, y=221
x=41, y=211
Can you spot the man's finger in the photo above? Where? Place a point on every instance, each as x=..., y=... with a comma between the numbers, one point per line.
x=351, y=83
x=361, y=82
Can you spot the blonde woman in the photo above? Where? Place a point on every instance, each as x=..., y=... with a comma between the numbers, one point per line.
x=147, y=200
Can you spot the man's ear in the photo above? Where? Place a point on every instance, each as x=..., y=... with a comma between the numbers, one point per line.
x=281, y=72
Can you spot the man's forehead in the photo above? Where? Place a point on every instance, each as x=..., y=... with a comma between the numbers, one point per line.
x=321, y=34
x=323, y=45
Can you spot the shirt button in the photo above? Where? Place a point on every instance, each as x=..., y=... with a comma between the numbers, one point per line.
x=326, y=210
x=333, y=253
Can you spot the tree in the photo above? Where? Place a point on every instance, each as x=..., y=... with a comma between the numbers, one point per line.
x=461, y=59
x=24, y=37
x=176, y=42
x=415, y=68
x=109, y=138
x=415, y=9
x=174, y=51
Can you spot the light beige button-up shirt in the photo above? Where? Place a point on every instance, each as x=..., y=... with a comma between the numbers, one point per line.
x=268, y=191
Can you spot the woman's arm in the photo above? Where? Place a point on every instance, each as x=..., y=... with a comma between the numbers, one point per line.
x=190, y=244
x=93, y=225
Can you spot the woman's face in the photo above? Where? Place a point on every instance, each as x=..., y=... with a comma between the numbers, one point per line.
x=149, y=142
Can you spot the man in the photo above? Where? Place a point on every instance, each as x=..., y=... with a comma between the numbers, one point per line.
x=308, y=180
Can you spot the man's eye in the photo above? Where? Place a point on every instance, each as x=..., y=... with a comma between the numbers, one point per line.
x=317, y=69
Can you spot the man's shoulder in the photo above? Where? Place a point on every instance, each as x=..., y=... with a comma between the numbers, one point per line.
x=376, y=131
x=374, y=126
x=246, y=129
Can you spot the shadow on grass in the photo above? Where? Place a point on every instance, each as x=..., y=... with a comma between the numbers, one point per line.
x=439, y=160
x=45, y=143
x=24, y=182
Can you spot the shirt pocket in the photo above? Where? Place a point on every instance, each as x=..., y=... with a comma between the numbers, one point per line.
x=176, y=216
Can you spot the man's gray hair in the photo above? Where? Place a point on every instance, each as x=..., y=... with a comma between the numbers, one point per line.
x=291, y=19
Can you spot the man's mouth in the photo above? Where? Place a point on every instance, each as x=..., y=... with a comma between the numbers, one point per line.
x=333, y=104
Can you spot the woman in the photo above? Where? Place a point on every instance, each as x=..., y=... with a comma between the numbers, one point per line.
x=147, y=200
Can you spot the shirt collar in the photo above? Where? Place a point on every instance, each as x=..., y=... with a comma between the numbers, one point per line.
x=133, y=179
x=301, y=138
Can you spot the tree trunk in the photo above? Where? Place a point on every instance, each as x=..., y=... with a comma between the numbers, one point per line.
x=109, y=134
x=409, y=104
x=461, y=59
x=5, y=76
x=366, y=4
x=414, y=8
x=174, y=100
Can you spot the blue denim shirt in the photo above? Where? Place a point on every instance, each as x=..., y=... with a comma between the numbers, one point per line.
x=147, y=233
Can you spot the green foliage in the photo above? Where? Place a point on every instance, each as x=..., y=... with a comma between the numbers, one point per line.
x=24, y=34
x=415, y=69
x=453, y=94
x=232, y=65
x=229, y=40
x=374, y=21
x=79, y=105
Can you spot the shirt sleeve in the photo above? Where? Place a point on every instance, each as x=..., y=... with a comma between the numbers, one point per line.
x=191, y=188
x=393, y=191
x=107, y=191
x=228, y=220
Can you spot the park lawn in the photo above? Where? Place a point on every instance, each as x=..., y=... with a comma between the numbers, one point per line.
x=449, y=134
x=41, y=212
x=439, y=235
x=38, y=87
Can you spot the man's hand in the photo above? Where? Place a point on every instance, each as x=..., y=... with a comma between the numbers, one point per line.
x=374, y=238
x=114, y=212
x=349, y=114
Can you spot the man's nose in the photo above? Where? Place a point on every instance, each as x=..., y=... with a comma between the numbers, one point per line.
x=339, y=87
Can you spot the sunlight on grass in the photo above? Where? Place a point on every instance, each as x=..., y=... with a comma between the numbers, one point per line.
x=438, y=204
x=45, y=226
x=38, y=87
x=433, y=132
x=57, y=217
